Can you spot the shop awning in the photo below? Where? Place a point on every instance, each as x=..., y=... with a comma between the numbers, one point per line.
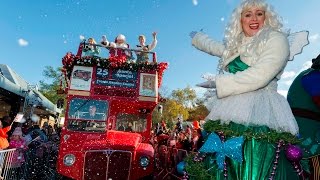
x=12, y=82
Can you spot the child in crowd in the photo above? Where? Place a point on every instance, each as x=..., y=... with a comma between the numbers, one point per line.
x=18, y=142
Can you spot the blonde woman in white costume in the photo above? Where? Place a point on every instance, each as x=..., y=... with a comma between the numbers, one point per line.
x=253, y=56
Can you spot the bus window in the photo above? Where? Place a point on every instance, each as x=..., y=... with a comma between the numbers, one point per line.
x=131, y=122
x=87, y=115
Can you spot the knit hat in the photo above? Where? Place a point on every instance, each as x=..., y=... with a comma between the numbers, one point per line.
x=17, y=131
x=196, y=125
x=121, y=37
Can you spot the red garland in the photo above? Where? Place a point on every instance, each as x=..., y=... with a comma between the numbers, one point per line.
x=161, y=68
x=68, y=59
x=117, y=61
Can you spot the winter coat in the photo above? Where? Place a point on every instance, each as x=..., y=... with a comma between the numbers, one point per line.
x=91, y=50
x=119, y=53
x=3, y=137
x=265, y=67
x=18, y=155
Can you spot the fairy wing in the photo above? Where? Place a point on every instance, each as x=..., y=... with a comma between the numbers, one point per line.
x=297, y=41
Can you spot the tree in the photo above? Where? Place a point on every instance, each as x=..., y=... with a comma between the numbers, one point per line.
x=199, y=112
x=49, y=90
x=181, y=102
x=186, y=96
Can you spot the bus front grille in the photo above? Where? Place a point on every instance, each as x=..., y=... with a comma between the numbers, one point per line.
x=107, y=164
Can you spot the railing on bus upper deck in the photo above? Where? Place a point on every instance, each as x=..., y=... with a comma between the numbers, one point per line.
x=83, y=44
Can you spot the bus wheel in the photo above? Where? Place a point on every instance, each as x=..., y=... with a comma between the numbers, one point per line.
x=150, y=177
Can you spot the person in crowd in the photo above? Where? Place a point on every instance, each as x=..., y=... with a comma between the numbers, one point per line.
x=199, y=140
x=188, y=132
x=6, y=121
x=188, y=129
x=45, y=128
x=196, y=124
x=57, y=129
x=17, y=141
x=184, y=142
x=3, y=133
x=121, y=127
x=255, y=52
x=304, y=99
x=157, y=128
x=90, y=49
x=178, y=127
x=142, y=56
x=50, y=130
x=35, y=132
x=173, y=140
x=161, y=128
x=129, y=127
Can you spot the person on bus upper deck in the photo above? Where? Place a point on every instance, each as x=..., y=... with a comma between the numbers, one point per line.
x=141, y=56
x=90, y=49
x=104, y=41
x=119, y=51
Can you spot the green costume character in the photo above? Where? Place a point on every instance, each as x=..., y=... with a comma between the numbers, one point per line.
x=304, y=99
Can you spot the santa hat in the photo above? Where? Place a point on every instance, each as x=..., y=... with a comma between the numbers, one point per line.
x=121, y=37
x=17, y=131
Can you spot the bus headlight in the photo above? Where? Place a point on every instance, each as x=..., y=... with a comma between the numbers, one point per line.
x=69, y=159
x=144, y=161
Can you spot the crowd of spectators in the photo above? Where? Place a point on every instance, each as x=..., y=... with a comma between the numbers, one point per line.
x=36, y=148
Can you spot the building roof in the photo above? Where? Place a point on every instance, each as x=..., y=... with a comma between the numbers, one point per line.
x=13, y=76
x=13, y=82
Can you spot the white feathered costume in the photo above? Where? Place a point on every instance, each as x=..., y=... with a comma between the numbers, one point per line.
x=250, y=97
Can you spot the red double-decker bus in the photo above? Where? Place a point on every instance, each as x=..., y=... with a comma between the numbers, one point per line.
x=107, y=126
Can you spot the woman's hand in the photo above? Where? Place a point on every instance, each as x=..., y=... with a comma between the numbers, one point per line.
x=193, y=33
x=154, y=34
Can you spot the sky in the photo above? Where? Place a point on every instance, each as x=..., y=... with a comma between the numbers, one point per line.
x=36, y=34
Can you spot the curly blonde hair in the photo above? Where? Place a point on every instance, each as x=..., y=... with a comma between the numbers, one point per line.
x=233, y=32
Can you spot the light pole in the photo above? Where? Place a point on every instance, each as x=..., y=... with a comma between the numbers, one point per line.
x=26, y=97
x=25, y=100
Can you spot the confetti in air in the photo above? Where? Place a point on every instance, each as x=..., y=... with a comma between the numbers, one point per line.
x=195, y=2
x=222, y=19
x=81, y=37
x=23, y=42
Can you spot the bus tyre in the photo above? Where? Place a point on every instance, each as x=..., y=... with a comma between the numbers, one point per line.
x=149, y=177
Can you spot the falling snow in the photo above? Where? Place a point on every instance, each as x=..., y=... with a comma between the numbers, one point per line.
x=195, y=2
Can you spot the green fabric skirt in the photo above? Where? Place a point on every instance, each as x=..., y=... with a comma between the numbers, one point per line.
x=258, y=158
